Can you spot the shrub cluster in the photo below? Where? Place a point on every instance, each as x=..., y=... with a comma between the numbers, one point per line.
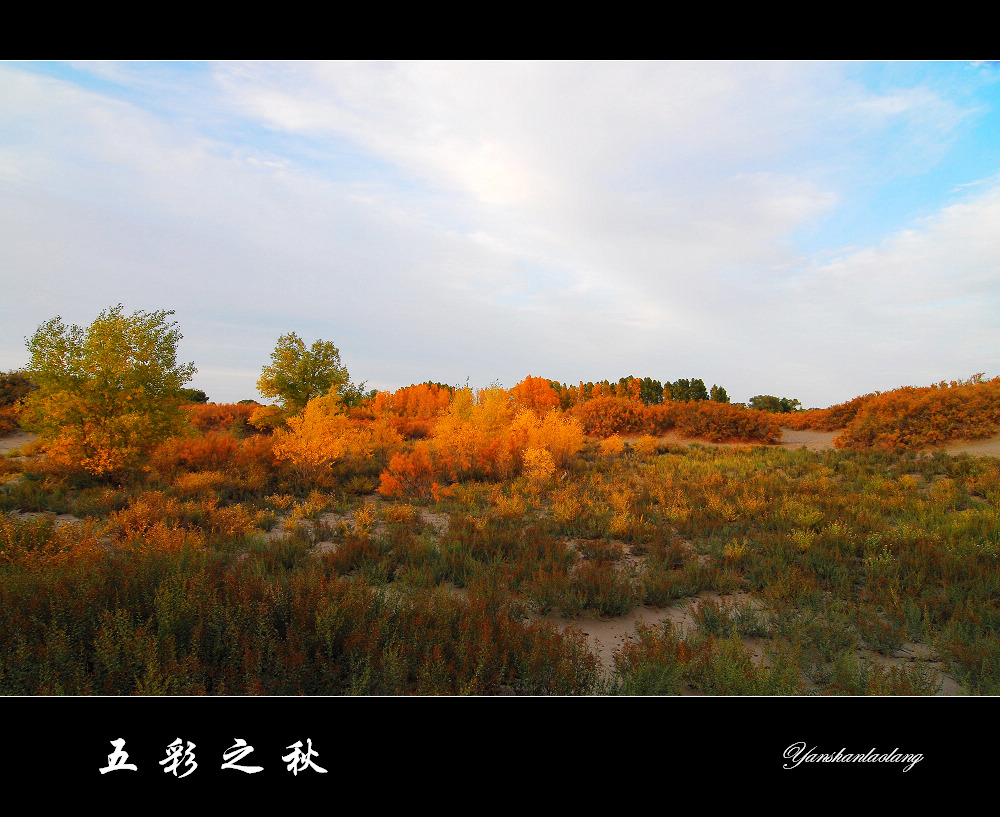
x=911, y=418
x=483, y=436
x=703, y=419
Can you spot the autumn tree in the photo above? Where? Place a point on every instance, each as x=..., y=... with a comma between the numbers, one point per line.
x=423, y=400
x=629, y=388
x=108, y=393
x=297, y=374
x=323, y=436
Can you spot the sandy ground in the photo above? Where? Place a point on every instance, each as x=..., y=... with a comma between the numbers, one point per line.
x=977, y=448
x=813, y=440
x=606, y=635
x=823, y=441
x=14, y=440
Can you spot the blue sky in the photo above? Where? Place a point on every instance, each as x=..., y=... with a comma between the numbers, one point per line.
x=814, y=230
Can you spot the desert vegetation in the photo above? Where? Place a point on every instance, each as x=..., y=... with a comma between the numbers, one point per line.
x=445, y=540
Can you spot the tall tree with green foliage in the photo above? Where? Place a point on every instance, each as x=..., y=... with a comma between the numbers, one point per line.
x=718, y=394
x=297, y=374
x=684, y=390
x=108, y=393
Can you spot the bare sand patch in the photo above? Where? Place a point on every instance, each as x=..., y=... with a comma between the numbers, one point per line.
x=808, y=438
x=814, y=440
x=15, y=439
x=605, y=636
x=58, y=519
x=790, y=438
x=977, y=448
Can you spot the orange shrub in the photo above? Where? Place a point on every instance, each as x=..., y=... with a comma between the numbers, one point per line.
x=35, y=543
x=8, y=419
x=604, y=416
x=208, y=417
x=153, y=523
x=197, y=483
x=558, y=433
x=539, y=465
x=209, y=452
x=412, y=410
x=483, y=437
x=470, y=440
x=828, y=419
x=418, y=400
x=912, y=418
x=248, y=463
x=724, y=422
x=324, y=435
x=663, y=417
x=535, y=393
x=612, y=446
x=408, y=473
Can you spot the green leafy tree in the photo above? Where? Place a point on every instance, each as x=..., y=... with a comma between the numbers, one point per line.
x=108, y=393
x=193, y=396
x=684, y=390
x=648, y=390
x=776, y=405
x=718, y=394
x=297, y=374
x=651, y=392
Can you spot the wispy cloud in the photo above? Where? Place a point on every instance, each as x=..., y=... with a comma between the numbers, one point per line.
x=491, y=220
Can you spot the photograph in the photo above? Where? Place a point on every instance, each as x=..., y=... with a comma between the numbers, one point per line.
x=380, y=388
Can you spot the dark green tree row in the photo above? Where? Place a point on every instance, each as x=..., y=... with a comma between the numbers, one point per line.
x=646, y=389
x=776, y=405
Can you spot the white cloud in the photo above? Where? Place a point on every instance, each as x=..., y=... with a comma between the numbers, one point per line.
x=490, y=220
x=920, y=307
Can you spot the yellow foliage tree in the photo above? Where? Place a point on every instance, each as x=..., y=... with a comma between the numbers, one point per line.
x=471, y=437
x=561, y=435
x=106, y=394
x=323, y=435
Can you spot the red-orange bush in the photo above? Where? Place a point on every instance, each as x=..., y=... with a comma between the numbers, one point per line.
x=604, y=416
x=724, y=422
x=912, y=418
x=205, y=452
x=207, y=417
x=828, y=419
x=535, y=393
x=247, y=463
x=412, y=410
x=418, y=400
x=411, y=472
x=8, y=419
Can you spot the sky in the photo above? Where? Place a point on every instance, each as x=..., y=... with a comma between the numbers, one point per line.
x=811, y=230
